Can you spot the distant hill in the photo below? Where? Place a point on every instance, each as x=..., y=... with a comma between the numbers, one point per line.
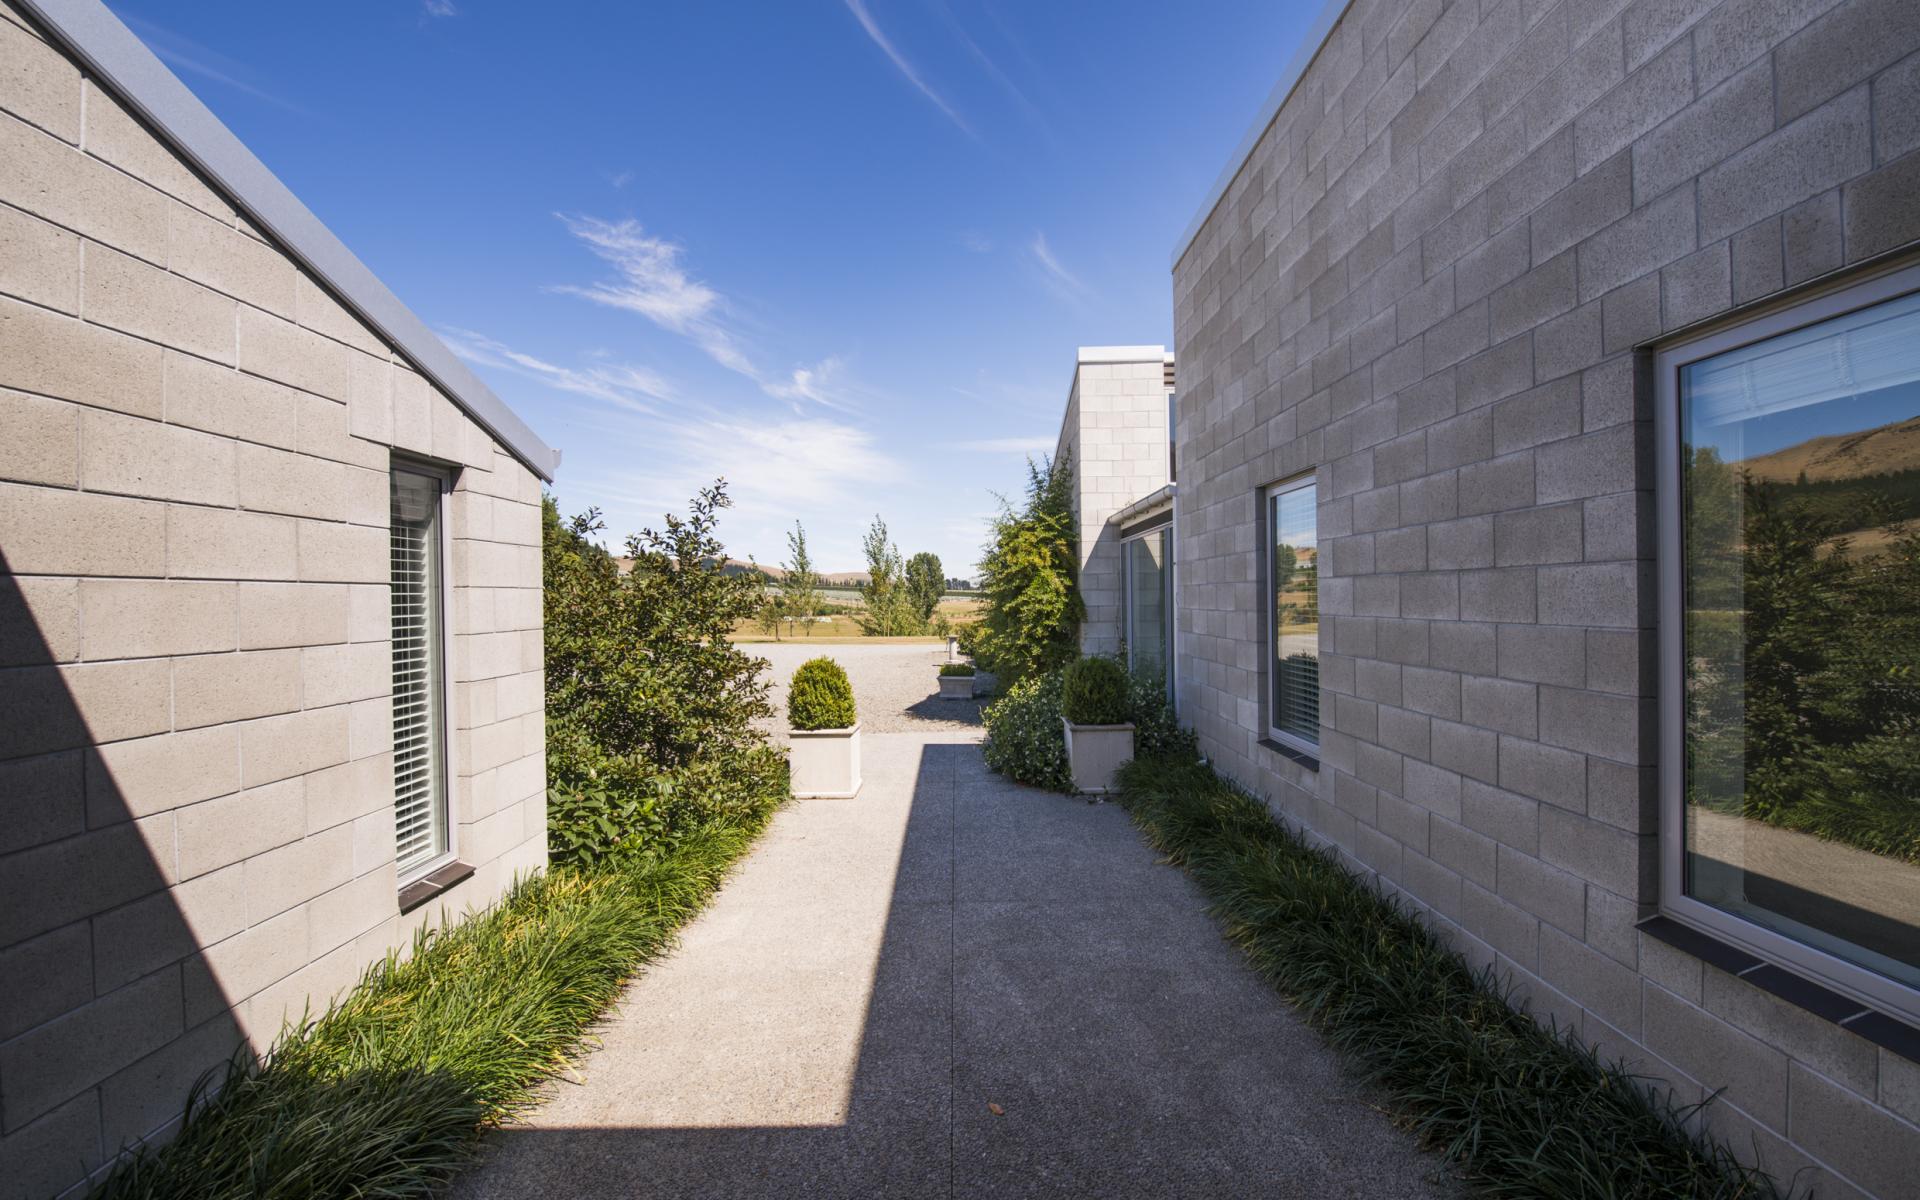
x=1883, y=451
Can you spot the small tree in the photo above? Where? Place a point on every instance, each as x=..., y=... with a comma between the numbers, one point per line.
x=771, y=610
x=800, y=587
x=1027, y=580
x=889, y=610
x=926, y=581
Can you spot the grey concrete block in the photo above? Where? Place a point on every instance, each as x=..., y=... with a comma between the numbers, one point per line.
x=1608, y=595
x=1464, y=646
x=1615, y=727
x=1567, y=343
x=1499, y=484
x=1698, y=286
x=1630, y=315
x=1510, y=819
x=1460, y=544
x=1617, y=860
x=1591, y=203
x=1542, y=772
x=1497, y=261
x=1649, y=96
x=1467, y=750
x=1620, y=661
x=1552, y=654
x=1538, y=535
x=1543, y=414
x=1500, y=704
x=1557, y=897
x=1753, y=1074
x=1741, y=31
x=1541, y=294
x=1495, y=374
x=1459, y=849
x=1848, y=44
x=1459, y=336
x=1810, y=235
x=1467, y=438
x=1593, y=464
x=1645, y=241
x=1499, y=595
x=1509, y=929
x=1758, y=263
x=1735, y=114
x=1896, y=111
x=1617, y=525
x=1825, y=148
x=1881, y=211
x=1622, y=795
x=1880, y=1152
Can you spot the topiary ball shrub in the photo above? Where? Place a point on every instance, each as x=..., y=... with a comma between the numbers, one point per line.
x=956, y=668
x=820, y=697
x=1024, y=739
x=1094, y=691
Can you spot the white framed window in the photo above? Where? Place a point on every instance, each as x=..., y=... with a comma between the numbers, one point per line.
x=1147, y=602
x=1788, y=501
x=423, y=828
x=1293, y=614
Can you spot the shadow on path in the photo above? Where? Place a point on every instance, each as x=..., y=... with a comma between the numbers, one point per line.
x=883, y=973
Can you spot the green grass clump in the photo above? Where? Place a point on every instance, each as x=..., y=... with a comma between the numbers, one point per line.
x=387, y=1093
x=821, y=697
x=1520, y=1110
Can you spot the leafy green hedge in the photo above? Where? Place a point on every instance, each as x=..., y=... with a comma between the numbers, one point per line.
x=1094, y=692
x=1025, y=741
x=821, y=696
x=387, y=1093
x=1522, y=1111
x=956, y=669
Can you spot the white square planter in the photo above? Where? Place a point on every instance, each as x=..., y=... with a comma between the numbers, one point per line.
x=956, y=687
x=825, y=763
x=1095, y=754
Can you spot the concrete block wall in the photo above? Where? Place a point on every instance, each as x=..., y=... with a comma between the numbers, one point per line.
x=196, y=768
x=1114, y=435
x=1425, y=285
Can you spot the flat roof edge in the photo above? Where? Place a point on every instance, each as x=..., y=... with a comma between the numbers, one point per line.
x=121, y=61
x=1310, y=48
x=1121, y=354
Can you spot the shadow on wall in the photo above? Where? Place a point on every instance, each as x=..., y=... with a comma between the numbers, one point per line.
x=1026, y=951
x=109, y=1006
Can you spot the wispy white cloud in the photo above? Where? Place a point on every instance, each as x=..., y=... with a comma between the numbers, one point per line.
x=859, y=10
x=190, y=57
x=1062, y=282
x=623, y=384
x=993, y=69
x=976, y=241
x=821, y=383
x=652, y=280
x=619, y=179
x=1008, y=445
x=439, y=8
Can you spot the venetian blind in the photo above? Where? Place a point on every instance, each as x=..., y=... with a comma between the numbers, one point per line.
x=419, y=785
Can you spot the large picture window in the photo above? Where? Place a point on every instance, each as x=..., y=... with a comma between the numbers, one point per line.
x=1293, y=614
x=421, y=828
x=1148, y=603
x=1791, y=637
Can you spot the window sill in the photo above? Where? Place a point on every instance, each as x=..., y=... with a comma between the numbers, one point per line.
x=1890, y=1033
x=434, y=883
x=1288, y=752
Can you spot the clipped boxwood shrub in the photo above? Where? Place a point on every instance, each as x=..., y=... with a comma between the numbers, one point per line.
x=1094, y=692
x=1024, y=739
x=820, y=697
x=1155, y=730
x=956, y=668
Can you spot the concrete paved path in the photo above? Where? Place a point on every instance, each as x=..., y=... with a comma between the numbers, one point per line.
x=881, y=972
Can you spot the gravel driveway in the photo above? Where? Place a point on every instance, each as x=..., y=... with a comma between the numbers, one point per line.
x=896, y=686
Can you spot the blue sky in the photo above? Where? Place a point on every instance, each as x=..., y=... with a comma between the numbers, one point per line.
x=840, y=251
